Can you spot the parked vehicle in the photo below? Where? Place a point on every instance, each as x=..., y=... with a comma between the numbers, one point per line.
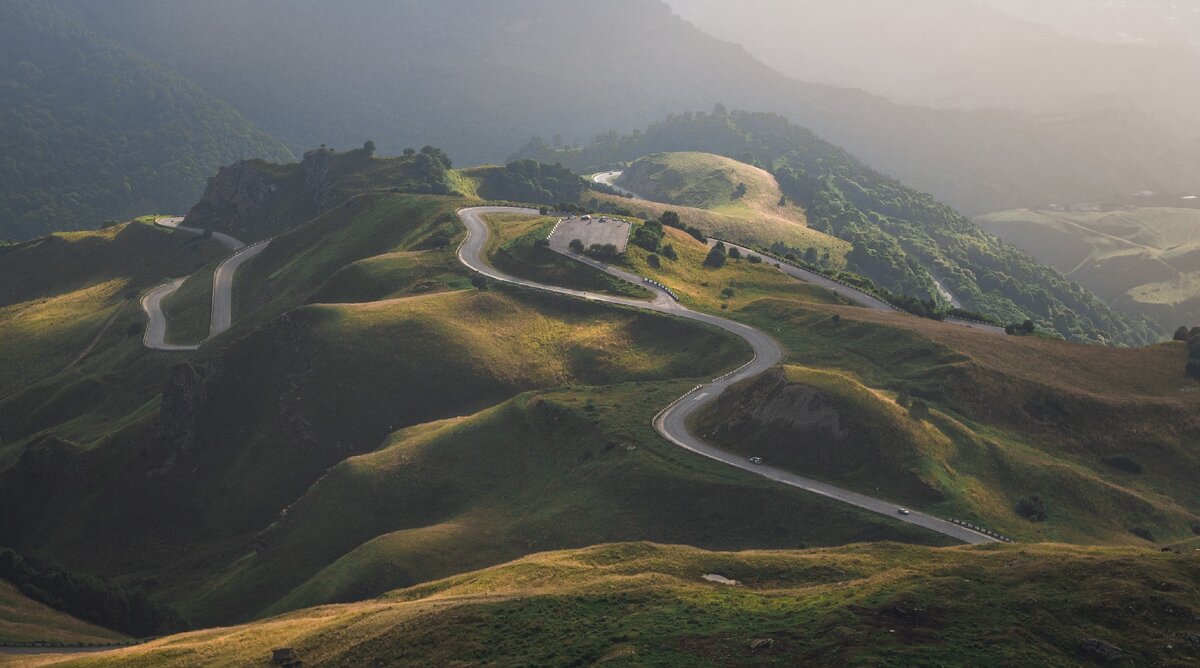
x=756, y=460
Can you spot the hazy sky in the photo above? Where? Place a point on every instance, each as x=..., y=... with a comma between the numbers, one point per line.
x=1045, y=56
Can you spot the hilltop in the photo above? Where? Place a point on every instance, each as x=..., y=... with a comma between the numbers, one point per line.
x=704, y=188
x=1142, y=261
x=643, y=603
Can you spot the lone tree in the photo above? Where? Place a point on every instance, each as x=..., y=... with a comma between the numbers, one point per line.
x=576, y=246
x=669, y=218
x=1181, y=334
x=740, y=191
x=369, y=147
x=479, y=281
x=716, y=256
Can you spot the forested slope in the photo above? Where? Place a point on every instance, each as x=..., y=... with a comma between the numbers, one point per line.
x=91, y=131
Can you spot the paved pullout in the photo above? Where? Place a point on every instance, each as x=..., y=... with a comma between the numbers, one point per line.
x=222, y=292
x=672, y=422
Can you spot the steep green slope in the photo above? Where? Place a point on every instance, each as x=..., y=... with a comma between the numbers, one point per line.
x=93, y=131
x=645, y=604
x=63, y=291
x=901, y=239
x=1141, y=261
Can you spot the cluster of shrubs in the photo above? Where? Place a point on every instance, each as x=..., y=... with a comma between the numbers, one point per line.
x=671, y=219
x=91, y=599
x=1192, y=338
x=1032, y=508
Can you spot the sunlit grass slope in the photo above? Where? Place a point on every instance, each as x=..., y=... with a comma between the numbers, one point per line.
x=647, y=604
x=701, y=187
x=24, y=620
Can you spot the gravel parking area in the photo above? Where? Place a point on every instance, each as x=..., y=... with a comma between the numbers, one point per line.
x=591, y=232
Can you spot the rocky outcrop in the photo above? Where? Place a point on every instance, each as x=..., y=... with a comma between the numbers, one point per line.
x=175, y=429
x=237, y=199
x=769, y=401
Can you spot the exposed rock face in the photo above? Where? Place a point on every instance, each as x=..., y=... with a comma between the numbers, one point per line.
x=317, y=165
x=175, y=429
x=771, y=402
x=1100, y=651
x=235, y=198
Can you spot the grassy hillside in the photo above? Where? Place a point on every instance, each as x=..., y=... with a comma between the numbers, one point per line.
x=26, y=620
x=512, y=249
x=900, y=238
x=641, y=603
x=94, y=131
x=62, y=291
x=1141, y=261
x=708, y=183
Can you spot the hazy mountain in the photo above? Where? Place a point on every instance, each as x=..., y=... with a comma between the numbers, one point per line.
x=90, y=130
x=960, y=54
x=478, y=78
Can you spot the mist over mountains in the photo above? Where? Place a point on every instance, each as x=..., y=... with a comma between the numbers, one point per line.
x=480, y=78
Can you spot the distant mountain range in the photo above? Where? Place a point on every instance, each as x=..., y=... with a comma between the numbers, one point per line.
x=478, y=78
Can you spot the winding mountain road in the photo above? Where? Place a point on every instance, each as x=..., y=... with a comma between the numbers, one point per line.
x=672, y=422
x=221, y=318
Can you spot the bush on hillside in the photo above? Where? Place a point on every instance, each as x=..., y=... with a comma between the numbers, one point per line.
x=1123, y=463
x=1032, y=508
x=479, y=281
x=1181, y=334
x=653, y=261
x=668, y=252
x=604, y=253
x=576, y=245
x=735, y=254
x=648, y=235
x=716, y=256
x=1143, y=533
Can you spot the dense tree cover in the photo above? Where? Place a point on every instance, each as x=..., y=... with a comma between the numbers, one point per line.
x=91, y=599
x=91, y=131
x=898, y=235
x=530, y=181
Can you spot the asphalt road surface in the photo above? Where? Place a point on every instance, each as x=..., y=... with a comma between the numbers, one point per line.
x=672, y=421
x=609, y=179
x=222, y=295
x=156, y=329
x=590, y=232
x=221, y=318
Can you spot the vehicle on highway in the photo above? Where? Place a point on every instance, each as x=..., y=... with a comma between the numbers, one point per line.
x=756, y=460
x=904, y=511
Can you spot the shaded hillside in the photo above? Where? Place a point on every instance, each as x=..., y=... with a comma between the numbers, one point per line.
x=901, y=238
x=647, y=604
x=477, y=77
x=23, y=619
x=92, y=131
x=1143, y=261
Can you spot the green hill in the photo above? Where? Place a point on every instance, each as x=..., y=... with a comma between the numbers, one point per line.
x=704, y=188
x=899, y=238
x=1141, y=261
x=93, y=131
x=647, y=604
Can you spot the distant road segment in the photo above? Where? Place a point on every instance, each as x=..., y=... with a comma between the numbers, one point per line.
x=221, y=318
x=672, y=422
